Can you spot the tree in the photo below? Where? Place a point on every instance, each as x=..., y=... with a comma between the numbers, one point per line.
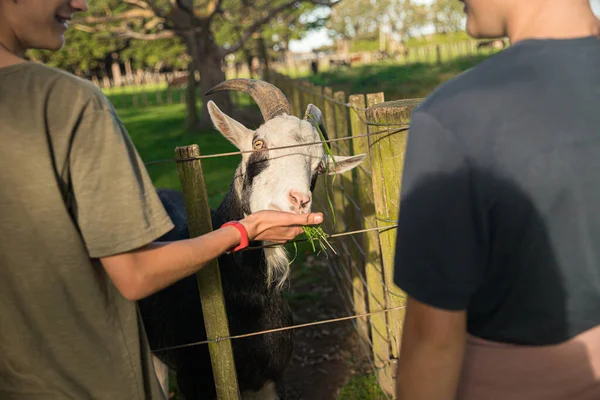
x=199, y=24
x=357, y=19
x=407, y=18
x=364, y=19
x=447, y=15
x=85, y=52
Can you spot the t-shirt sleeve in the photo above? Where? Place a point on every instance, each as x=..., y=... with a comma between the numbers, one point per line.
x=115, y=203
x=439, y=257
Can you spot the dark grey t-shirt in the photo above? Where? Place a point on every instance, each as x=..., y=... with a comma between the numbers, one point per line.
x=500, y=202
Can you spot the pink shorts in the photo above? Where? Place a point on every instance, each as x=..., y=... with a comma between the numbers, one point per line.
x=568, y=371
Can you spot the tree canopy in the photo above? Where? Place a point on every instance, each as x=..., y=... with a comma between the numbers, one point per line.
x=363, y=19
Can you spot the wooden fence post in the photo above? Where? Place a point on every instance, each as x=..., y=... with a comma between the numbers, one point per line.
x=337, y=127
x=334, y=195
x=356, y=262
x=209, y=277
x=296, y=99
x=320, y=192
x=387, y=161
x=373, y=266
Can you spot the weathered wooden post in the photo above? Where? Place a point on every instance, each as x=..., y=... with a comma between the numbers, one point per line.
x=387, y=162
x=373, y=266
x=337, y=223
x=355, y=263
x=209, y=277
x=320, y=192
x=296, y=99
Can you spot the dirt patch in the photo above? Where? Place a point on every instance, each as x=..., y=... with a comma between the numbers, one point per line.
x=325, y=356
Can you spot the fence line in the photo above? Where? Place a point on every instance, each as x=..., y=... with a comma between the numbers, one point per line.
x=285, y=328
x=367, y=199
x=329, y=236
x=361, y=266
x=236, y=153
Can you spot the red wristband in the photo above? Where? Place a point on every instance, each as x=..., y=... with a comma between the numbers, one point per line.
x=240, y=227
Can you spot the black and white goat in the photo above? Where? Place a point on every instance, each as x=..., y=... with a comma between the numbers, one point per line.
x=266, y=179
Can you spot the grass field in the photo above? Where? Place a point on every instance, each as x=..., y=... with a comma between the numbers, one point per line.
x=158, y=130
x=397, y=82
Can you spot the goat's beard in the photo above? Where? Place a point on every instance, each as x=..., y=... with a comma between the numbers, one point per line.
x=278, y=267
x=276, y=258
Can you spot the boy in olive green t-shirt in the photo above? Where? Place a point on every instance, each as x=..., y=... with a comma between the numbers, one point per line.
x=78, y=218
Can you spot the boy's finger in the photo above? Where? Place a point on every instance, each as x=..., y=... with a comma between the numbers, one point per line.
x=312, y=219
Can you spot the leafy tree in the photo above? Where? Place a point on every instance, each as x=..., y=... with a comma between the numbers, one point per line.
x=210, y=30
x=358, y=19
x=362, y=19
x=157, y=54
x=85, y=52
x=447, y=15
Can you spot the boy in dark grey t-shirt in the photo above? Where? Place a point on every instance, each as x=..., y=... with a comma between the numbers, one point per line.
x=498, y=242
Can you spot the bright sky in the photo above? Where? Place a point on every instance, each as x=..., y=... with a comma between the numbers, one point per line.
x=319, y=38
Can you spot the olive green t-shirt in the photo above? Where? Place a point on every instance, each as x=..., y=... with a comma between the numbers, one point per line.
x=65, y=330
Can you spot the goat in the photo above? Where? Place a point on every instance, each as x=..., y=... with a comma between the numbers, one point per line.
x=267, y=178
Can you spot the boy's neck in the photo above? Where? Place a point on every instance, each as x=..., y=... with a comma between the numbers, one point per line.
x=8, y=58
x=553, y=20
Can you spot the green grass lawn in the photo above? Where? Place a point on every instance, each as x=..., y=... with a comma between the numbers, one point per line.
x=396, y=81
x=158, y=130
x=362, y=387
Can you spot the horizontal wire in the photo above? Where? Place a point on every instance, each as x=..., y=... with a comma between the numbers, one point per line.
x=285, y=328
x=235, y=153
x=333, y=236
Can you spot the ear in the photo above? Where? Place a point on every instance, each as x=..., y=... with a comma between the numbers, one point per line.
x=314, y=115
x=235, y=132
x=343, y=163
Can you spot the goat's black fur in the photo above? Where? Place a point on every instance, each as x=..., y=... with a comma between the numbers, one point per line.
x=174, y=315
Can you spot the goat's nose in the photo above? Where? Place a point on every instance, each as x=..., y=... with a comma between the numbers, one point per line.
x=299, y=200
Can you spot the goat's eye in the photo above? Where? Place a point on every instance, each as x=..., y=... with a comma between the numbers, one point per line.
x=259, y=144
x=321, y=169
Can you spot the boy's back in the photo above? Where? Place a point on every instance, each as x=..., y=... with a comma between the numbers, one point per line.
x=515, y=237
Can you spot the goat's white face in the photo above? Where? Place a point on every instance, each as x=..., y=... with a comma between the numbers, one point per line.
x=279, y=179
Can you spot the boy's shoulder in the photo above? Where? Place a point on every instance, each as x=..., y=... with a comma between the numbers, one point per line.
x=54, y=83
x=475, y=87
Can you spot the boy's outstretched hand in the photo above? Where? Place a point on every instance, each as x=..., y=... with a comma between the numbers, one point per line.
x=278, y=226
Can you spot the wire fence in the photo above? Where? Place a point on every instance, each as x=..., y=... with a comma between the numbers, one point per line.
x=401, y=55
x=356, y=264
x=360, y=223
x=138, y=89
x=360, y=206
x=366, y=201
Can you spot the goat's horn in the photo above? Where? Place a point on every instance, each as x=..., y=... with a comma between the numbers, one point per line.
x=271, y=101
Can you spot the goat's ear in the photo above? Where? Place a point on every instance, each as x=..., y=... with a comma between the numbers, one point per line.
x=235, y=132
x=343, y=163
x=314, y=115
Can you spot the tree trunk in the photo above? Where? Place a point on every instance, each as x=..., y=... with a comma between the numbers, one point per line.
x=207, y=58
x=192, y=122
x=264, y=55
